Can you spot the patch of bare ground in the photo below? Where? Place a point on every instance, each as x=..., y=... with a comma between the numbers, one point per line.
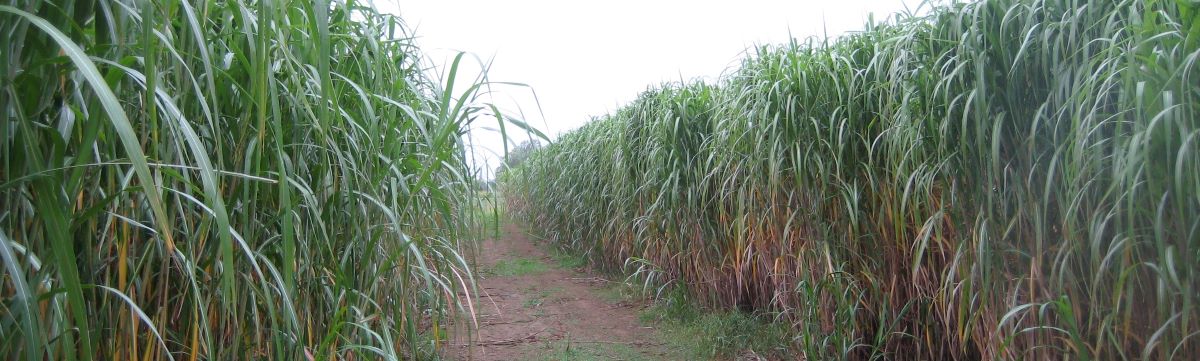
x=531, y=306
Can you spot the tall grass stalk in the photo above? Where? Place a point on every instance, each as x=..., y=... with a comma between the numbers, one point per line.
x=1001, y=179
x=270, y=179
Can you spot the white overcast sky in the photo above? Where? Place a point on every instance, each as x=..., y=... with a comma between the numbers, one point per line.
x=588, y=58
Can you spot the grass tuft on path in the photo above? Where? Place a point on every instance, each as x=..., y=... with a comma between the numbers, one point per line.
x=565, y=350
x=518, y=267
x=703, y=334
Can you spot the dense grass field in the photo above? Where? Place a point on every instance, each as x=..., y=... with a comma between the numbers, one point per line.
x=228, y=180
x=1001, y=179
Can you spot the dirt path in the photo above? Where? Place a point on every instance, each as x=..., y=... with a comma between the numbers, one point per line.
x=541, y=307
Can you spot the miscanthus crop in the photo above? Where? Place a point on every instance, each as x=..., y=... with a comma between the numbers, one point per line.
x=1001, y=179
x=227, y=180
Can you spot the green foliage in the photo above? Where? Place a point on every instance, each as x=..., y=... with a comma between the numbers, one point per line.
x=565, y=350
x=716, y=335
x=568, y=259
x=1002, y=179
x=518, y=155
x=227, y=180
x=489, y=212
x=518, y=267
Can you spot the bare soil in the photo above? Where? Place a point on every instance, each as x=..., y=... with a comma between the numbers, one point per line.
x=530, y=307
